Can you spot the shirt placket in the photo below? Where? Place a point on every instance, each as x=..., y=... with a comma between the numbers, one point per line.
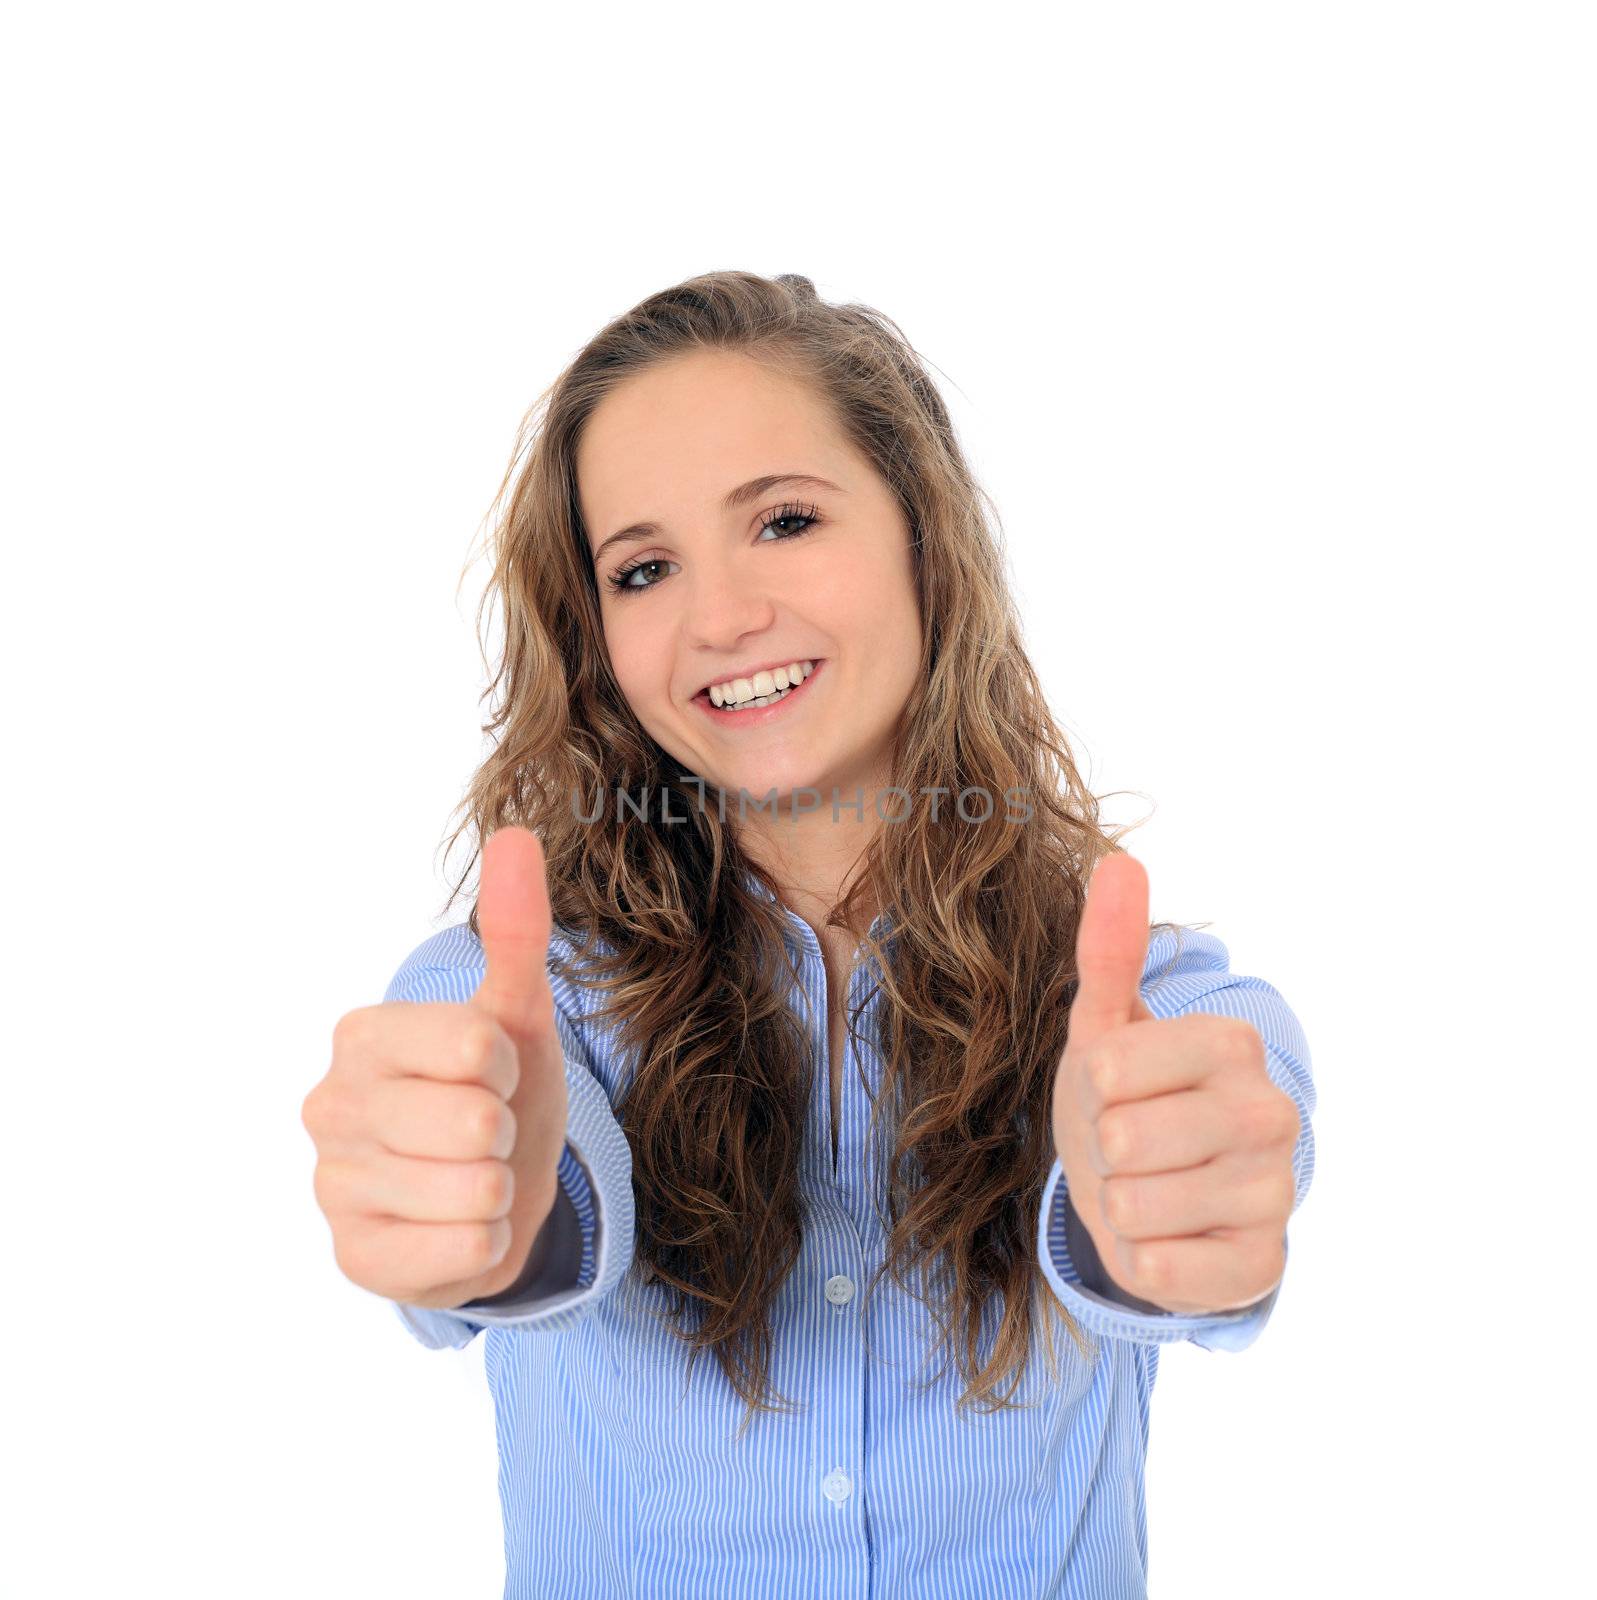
x=832, y=1264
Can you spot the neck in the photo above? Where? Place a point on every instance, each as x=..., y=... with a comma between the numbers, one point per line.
x=816, y=861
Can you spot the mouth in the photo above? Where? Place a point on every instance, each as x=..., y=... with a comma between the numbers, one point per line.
x=749, y=715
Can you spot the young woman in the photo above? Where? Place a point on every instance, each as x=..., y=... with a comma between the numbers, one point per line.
x=784, y=1028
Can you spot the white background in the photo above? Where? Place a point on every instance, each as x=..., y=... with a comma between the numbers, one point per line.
x=1269, y=328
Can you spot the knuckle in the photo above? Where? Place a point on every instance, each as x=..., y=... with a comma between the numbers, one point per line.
x=1103, y=1069
x=495, y=1188
x=479, y=1245
x=343, y=1254
x=329, y=1184
x=1261, y=1121
x=1117, y=1204
x=335, y=1186
x=338, y=1113
x=1242, y=1045
x=1291, y=1120
x=485, y=1120
x=480, y=1041
x=1116, y=1137
x=1271, y=1262
x=353, y=1252
x=352, y=1033
x=1132, y=1258
x=1152, y=1267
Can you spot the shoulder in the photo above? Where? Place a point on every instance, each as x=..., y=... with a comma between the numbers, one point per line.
x=449, y=965
x=1189, y=970
x=1183, y=952
x=449, y=949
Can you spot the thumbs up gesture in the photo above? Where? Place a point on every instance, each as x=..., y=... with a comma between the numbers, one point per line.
x=1176, y=1146
x=439, y=1127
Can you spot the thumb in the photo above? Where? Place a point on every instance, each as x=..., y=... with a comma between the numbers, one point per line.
x=513, y=918
x=1111, y=950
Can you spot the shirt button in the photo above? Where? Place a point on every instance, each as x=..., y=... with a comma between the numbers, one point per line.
x=837, y=1487
x=839, y=1290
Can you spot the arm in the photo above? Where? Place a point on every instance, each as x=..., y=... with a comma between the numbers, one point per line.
x=1185, y=971
x=586, y=1245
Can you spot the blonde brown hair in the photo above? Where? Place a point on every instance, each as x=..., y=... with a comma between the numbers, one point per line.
x=977, y=975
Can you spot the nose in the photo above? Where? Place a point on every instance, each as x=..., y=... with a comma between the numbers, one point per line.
x=724, y=606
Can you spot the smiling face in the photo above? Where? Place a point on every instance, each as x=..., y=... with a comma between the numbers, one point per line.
x=722, y=583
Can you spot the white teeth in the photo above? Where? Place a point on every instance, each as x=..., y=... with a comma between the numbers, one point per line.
x=764, y=688
x=763, y=700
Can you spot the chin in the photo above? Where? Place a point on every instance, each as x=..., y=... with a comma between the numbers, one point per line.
x=758, y=781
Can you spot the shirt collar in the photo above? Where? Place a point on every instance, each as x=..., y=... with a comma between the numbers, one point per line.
x=798, y=929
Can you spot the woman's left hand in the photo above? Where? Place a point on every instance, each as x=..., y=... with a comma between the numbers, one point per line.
x=1176, y=1146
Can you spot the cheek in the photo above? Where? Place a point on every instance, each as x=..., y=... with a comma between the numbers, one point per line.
x=635, y=661
x=869, y=595
x=887, y=599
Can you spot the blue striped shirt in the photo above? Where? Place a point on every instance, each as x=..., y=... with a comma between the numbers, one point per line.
x=618, y=1477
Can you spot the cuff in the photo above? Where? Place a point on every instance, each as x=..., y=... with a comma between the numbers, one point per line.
x=1113, y=1318
x=596, y=1175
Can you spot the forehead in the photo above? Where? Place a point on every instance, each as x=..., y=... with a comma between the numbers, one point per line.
x=671, y=441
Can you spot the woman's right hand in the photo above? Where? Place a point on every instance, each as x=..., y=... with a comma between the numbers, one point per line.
x=439, y=1127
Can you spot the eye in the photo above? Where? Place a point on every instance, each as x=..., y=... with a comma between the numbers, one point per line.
x=791, y=514
x=621, y=583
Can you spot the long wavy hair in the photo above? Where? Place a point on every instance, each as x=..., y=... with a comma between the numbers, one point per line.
x=978, y=972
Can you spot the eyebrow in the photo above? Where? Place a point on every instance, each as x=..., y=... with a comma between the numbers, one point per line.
x=638, y=532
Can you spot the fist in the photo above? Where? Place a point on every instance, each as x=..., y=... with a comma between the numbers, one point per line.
x=1176, y=1146
x=438, y=1127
